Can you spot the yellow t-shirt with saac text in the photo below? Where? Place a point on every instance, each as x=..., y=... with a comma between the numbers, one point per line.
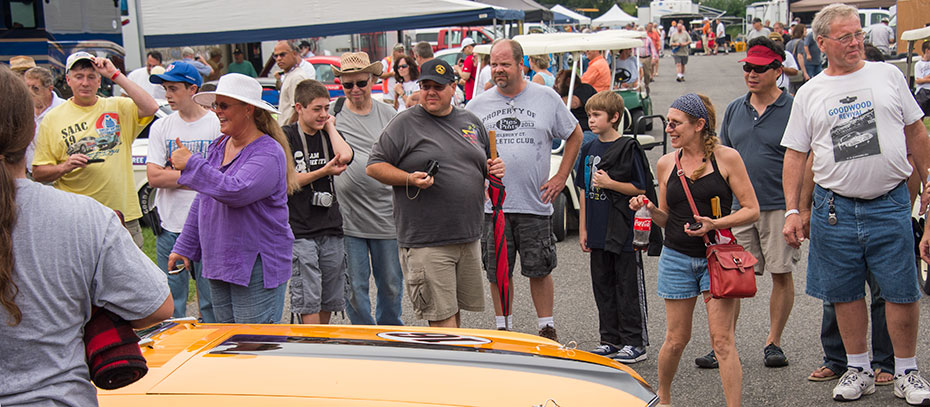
x=104, y=131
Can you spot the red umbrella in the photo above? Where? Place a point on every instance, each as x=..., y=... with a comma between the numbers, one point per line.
x=497, y=194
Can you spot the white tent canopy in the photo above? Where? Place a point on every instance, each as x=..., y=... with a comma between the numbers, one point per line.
x=168, y=23
x=613, y=17
x=564, y=11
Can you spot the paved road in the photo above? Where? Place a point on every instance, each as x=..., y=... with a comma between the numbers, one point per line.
x=719, y=77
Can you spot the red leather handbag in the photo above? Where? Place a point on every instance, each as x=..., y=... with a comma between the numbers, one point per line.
x=729, y=264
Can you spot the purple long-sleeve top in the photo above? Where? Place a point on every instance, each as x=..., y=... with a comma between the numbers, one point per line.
x=240, y=212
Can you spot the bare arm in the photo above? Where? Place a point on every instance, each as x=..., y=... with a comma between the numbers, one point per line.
x=52, y=172
x=603, y=180
x=659, y=212
x=162, y=313
x=792, y=180
x=738, y=179
x=162, y=177
x=390, y=175
x=554, y=186
x=143, y=100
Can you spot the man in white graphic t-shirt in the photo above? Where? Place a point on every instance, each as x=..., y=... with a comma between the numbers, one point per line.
x=196, y=127
x=861, y=123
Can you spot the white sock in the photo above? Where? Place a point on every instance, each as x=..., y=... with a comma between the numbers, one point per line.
x=902, y=365
x=681, y=75
x=501, y=321
x=860, y=360
x=510, y=321
x=546, y=321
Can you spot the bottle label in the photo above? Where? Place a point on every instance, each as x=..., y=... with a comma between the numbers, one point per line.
x=642, y=224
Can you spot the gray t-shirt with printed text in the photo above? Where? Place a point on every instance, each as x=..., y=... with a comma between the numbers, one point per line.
x=364, y=202
x=525, y=127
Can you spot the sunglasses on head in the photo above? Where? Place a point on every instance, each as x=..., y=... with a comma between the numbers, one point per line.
x=760, y=69
x=350, y=85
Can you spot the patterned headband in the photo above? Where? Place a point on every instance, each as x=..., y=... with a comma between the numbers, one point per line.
x=692, y=104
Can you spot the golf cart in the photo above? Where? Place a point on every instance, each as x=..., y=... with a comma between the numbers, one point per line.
x=638, y=112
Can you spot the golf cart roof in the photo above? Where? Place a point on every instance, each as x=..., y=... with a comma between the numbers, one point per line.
x=916, y=34
x=539, y=44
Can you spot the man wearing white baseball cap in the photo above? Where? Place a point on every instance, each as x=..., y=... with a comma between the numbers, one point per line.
x=467, y=72
x=84, y=145
x=238, y=223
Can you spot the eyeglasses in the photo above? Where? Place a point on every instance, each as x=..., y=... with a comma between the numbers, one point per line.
x=350, y=85
x=759, y=69
x=279, y=55
x=222, y=106
x=403, y=66
x=847, y=39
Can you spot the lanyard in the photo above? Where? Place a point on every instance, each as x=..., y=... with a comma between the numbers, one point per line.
x=303, y=140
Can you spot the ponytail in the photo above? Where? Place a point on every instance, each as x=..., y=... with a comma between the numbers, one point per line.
x=17, y=128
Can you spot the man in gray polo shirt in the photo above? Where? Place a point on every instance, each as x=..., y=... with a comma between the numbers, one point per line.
x=754, y=124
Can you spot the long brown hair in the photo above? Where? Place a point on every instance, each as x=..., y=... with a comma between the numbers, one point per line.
x=267, y=124
x=17, y=127
x=708, y=134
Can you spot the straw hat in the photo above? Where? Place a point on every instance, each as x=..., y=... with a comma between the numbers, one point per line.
x=237, y=86
x=353, y=62
x=22, y=63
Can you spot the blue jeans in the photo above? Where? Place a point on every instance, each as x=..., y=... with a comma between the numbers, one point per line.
x=813, y=69
x=834, y=353
x=385, y=266
x=179, y=282
x=254, y=304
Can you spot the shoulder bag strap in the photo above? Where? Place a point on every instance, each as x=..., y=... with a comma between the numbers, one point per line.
x=684, y=185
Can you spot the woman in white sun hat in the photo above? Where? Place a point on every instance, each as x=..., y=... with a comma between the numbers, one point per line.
x=237, y=225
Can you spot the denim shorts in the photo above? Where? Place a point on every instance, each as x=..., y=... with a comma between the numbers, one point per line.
x=870, y=236
x=681, y=276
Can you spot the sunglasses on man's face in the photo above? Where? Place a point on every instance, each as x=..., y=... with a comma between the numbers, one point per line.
x=350, y=85
x=279, y=55
x=759, y=69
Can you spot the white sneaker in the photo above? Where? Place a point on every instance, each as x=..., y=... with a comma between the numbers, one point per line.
x=854, y=384
x=913, y=388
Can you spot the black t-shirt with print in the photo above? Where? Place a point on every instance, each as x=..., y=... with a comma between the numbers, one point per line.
x=308, y=220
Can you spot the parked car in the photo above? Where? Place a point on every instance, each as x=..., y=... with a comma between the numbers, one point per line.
x=450, y=37
x=323, y=64
x=192, y=364
x=139, y=154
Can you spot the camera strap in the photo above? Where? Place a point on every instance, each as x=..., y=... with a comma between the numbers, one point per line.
x=303, y=141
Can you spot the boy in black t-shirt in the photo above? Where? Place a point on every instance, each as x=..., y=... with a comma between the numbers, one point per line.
x=609, y=172
x=317, y=285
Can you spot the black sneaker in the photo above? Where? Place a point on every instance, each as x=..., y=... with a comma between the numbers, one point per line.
x=708, y=361
x=548, y=332
x=606, y=349
x=678, y=79
x=774, y=357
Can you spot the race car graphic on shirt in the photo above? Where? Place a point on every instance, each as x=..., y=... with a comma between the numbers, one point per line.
x=854, y=132
x=105, y=143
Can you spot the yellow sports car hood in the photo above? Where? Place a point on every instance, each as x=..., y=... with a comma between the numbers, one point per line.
x=207, y=364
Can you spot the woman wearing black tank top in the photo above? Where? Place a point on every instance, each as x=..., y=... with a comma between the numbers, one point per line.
x=712, y=170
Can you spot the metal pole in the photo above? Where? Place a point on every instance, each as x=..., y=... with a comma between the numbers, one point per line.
x=571, y=79
x=613, y=68
x=140, y=31
x=910, y=77
x=476, y=73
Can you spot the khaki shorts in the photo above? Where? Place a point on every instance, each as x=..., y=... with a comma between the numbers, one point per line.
x=443, y=280
x=764, y=239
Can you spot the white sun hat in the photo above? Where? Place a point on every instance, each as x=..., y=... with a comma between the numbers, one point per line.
x=237, y=86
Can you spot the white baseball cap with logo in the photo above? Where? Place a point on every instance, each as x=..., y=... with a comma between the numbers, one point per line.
x=77, y=56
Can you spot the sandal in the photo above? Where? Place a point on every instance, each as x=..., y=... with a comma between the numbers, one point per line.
x=821, y=375
x=881, y=374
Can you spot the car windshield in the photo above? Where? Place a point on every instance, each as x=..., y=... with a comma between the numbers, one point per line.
x=324, y=73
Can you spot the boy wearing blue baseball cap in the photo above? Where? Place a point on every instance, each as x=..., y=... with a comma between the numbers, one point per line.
x=196, y=127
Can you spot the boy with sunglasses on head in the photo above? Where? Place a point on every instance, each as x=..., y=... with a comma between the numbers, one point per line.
x=753, y=124
x=318, y=282
x=196, y=127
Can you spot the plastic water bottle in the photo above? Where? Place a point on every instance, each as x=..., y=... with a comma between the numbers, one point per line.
x=642, y=224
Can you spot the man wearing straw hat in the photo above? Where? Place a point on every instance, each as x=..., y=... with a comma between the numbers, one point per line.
x=21, y=63
x=435, y=156
x=368, y=225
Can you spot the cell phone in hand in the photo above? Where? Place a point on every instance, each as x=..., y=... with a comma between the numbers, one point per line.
x=695, y=226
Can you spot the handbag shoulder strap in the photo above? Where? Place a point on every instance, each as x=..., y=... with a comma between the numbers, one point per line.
x=684, y=185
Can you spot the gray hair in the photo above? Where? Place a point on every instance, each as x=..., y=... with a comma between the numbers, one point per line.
x=43, y=75
x=828, y=14
x=423, y=50
x=187, y=51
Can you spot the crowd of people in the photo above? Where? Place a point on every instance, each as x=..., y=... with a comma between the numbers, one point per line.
x=314, y=198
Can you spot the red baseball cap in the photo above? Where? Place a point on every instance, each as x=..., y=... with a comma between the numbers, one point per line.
x=761, y=55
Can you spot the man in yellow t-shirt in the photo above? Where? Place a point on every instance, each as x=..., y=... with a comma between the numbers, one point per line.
x=84, y=145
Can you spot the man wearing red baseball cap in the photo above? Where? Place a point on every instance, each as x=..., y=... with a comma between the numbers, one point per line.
x=754, y=124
